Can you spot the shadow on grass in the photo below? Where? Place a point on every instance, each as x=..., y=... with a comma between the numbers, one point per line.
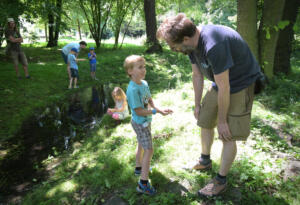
x=275, y=136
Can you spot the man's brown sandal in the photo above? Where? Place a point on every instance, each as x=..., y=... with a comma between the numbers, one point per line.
x=202, y=167
x=213, y=188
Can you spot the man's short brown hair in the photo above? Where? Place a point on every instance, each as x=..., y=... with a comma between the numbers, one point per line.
x=130, y=61
x=175, y=28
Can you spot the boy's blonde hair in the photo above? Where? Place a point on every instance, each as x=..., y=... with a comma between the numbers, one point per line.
x=130, y=61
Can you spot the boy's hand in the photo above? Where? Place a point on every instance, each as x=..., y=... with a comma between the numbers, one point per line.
x=166, y=112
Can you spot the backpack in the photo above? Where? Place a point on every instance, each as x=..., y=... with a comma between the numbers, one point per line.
x=260, y=83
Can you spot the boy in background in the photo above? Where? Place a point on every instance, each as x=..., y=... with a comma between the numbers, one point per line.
x=93, y=62
x=66, y=50
x=72, y=63
x=140, y=103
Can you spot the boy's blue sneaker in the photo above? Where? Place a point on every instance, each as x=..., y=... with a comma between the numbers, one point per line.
x=145, y=189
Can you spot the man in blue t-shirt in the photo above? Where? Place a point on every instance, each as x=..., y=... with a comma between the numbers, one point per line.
x=221, y=55
x=66, y=50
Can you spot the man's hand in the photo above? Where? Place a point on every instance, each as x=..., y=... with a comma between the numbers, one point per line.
x=196, y=112
x=224, y=132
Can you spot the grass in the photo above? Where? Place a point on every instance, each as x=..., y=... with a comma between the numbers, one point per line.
x=101, y=165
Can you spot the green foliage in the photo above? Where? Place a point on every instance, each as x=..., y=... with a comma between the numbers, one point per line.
x=202, y=11
x=283, y=24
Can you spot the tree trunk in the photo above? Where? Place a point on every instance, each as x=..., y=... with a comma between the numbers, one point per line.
x=46, y=32
x=79, y=31
x=179, y=6
x=268, y=36
x=284, y=45
x=150, y=17
x=247, y=23
x=51, y=30
x=1, y=34
x=117, y=34
x=58, y=21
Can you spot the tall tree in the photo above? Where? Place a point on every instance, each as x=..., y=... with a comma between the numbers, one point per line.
x=53, y=11
x=57, y=20
x=151, y=27
x=247, y=23
x=120, y=10
x=284, y=45
x=268, y=34
x=51, y=24
x=271, y=14
x=96, y=13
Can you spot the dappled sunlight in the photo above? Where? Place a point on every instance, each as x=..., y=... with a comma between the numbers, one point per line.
x=185, y=141
x=267, y=161
x=41, y=63
x=51, y=192
x=3, y=153
x=67, y=186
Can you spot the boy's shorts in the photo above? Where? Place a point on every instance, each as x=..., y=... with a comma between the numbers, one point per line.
x=239, y=112
x=74, y=73
x=65, y=57
x=93, y=67
x=144, y=136
x=18, y=56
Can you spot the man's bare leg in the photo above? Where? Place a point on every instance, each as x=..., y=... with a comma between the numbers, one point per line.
x=228, y=155
x=207, y=139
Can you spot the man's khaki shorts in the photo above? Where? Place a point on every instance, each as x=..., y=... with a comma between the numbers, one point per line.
x=16, y=56
x=239, y=113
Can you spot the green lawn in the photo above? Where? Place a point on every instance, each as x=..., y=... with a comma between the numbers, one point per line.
x=101, y=165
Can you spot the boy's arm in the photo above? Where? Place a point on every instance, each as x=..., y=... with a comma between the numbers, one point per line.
x=142, y=112
x=163, y=112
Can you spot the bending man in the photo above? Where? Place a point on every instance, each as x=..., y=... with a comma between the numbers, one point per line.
x=221, y=55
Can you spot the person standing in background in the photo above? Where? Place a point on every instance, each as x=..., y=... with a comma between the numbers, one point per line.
x=14, y=50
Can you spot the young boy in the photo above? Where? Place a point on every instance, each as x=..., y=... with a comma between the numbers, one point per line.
x=140, y=101
x=93, y=62
x=72, y=63
x=66, y=50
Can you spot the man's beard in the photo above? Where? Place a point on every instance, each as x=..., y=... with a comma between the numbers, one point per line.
x=186, y=50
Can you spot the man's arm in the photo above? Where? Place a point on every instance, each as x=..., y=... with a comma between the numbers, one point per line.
x=222, y=81
x=198, y=83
